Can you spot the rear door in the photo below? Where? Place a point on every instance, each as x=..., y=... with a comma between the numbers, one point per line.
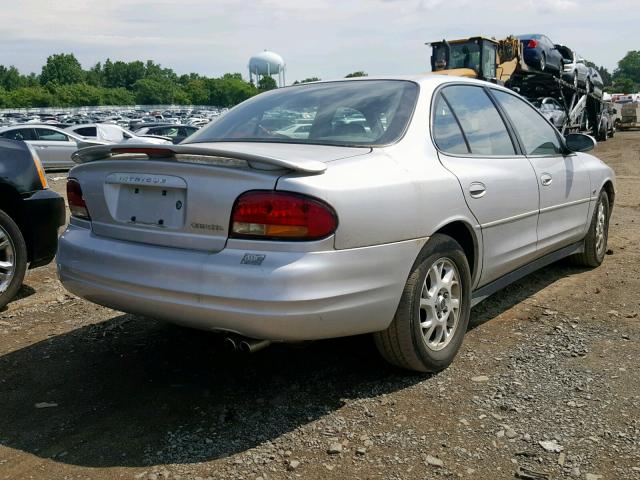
x=499, y=185
x=563, y=178
x=54, y=148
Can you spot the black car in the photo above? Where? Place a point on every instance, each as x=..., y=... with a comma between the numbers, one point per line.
x=541, y=53
x=176, y=133
x=30, y=215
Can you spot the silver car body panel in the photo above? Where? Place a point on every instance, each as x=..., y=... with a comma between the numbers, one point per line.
x=290, y=296
x=389, y=200
x=508, y=227
x=564, y=200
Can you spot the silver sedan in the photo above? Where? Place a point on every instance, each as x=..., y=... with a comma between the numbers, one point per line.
x=53, y=146
x=408, y=201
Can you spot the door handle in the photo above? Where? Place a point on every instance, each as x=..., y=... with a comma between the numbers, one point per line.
x=477, y=190
x=546, y=179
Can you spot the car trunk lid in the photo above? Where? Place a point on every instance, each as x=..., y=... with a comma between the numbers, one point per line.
x=182, y=196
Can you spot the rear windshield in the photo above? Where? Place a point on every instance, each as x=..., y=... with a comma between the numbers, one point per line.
x=353, y=113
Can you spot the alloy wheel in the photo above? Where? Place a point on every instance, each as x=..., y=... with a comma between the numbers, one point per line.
x=7, y=260
x=440, y=301
x=601, y=222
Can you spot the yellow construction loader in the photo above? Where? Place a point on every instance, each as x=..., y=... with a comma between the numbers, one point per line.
x=478, y=57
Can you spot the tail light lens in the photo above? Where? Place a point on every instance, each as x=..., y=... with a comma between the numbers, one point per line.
x=77, y=205
x=281, y=216
x=532, y=44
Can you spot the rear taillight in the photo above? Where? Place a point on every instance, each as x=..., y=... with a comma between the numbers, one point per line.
x=281, y=216
x=532, y=44
x=76, y=201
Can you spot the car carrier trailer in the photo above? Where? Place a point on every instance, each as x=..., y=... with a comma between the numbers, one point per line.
x=502, y=62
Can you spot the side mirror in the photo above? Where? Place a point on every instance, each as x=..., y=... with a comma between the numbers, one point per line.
x=579, y=142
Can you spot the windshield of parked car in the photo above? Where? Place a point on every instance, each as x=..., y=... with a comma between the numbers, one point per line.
x=352, y=113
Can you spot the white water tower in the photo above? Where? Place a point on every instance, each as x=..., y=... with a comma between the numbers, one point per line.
x=267, y=63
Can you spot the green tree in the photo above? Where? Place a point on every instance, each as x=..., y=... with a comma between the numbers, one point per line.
x=62, y=69
x=624, y=85
x=26, y=97
x=629, y=67
x=307, y=80
x=95, y=75
x=155, y=91
x=357, y=74
x=267, y=83
x=117, y=96
x=10, y=78
x=76, y=95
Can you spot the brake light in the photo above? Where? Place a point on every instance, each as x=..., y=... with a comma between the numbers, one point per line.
x=281, y=216
x=532, y=44
x=77, y=205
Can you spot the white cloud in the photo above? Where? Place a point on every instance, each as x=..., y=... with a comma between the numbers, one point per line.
x=325, y=38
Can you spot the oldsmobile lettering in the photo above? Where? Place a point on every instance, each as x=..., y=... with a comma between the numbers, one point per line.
x=207, y=226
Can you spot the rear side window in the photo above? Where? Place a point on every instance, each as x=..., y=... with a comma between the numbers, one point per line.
x=481, y=123
x=86, y=131
x=446, y=131
x=20, y=134
x=537, y=136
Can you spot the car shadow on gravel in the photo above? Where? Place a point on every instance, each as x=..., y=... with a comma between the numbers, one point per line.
x=521, y=290
x=134, y=392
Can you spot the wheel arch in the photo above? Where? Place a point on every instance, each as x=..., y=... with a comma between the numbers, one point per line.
x=463, y=233
x=611, y=193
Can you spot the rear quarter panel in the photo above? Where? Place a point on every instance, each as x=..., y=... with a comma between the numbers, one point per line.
x=394, y=193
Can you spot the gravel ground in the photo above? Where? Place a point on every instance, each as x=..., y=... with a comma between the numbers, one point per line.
x=546, y=386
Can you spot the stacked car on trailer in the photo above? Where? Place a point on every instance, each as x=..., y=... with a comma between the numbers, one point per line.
x=550, y=75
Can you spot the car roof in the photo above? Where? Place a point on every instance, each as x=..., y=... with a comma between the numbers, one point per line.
x=428, y=80
x=529, y=35
x=31, y=125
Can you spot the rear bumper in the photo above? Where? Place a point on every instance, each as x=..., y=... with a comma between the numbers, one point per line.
x=291, y=296
x=41, y=215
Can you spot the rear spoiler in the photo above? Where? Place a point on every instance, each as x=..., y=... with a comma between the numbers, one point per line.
x=170, y=153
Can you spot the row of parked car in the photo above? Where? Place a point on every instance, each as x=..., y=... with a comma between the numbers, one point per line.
x=55, y=145
x=541, y=54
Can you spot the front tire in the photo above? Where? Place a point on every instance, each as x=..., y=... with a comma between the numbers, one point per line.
x=432, y=317
x=13, y=259
x=595, y=243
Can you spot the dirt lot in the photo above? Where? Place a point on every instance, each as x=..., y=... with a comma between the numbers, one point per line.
x=546, y=383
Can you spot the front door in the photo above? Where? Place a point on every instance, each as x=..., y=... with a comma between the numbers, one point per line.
x=563, y=179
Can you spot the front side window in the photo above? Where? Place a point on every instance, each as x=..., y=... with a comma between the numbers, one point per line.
x=481, y=123
x=45, y=134
x=354, y=113
x=446, y=131
x=537, y=136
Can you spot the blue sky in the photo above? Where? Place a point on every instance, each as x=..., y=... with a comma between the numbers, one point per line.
x=324, y=38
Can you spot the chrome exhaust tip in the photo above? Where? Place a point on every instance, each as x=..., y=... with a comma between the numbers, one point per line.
x=252, y=346
x=231, y=344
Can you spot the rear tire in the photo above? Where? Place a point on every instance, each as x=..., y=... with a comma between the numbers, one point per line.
x=595, y=243
x=13, y=259
x=432, y=317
